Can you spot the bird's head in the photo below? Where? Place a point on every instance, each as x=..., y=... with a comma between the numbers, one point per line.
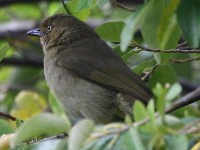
x=61, y=29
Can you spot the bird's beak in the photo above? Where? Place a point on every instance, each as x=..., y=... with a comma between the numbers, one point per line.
x=35, y=32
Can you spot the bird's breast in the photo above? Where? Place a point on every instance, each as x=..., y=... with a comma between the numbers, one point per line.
x=62, y=84
x=79, y=97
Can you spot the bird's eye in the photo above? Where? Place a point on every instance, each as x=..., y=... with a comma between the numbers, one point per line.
x=49, y=28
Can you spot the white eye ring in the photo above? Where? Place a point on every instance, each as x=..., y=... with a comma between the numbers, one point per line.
x=49, y=28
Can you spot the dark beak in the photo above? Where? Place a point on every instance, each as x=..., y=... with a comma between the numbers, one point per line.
x=35, y=32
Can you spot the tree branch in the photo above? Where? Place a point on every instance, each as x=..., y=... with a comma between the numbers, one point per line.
x=16, y=28
x=65, y=7
x=147, y=74
x=7, y=116
x=22, y=62
x=185, y=100
x=142, y=48
x=19, y=28
x=188, y=86
x=115, y=2
x=9, y=2
x=182, y=102
x=185, y=60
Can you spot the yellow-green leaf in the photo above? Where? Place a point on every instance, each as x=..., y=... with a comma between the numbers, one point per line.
x=40, y=125
x=79, y=134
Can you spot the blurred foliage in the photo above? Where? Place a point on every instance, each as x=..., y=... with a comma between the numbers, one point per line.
x=164, y=25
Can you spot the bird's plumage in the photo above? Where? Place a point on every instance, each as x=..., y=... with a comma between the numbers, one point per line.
x=109, y=71
x=84, y=72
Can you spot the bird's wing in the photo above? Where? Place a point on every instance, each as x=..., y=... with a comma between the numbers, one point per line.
x=107, y=72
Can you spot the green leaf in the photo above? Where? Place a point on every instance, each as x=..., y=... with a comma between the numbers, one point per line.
x=162, y=74
x=162, y=58
x=3, y=50
x=175, y=142
x=170, y=121
x=28, y=103
x=174, y=91
x=148, y=18
x=132, y=24
x=41, y=145
x=5, y=127
x=54, y=7
x=63, y=145
x=82, y=15
x=117, y=50
x=155, y=141
x=184, y=70
x=57, y=108
x=18, y=122
x=125, y=142
x=79, y=133
x=150, y=25
x=101, y=3
x=151, y=113
x=21, y=75
x=188, y=14
x=160, y=93
x=139, y=111
x=136, y=139
x=85, y=4
x=42, y=124
x=5, y=73
x=26, y=11
x=71, y=5
x=139, y=69
x=99, y=144
x=168, y=31
x=110, y=31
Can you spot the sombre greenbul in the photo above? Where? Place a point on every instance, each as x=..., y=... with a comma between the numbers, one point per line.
x=85, y=74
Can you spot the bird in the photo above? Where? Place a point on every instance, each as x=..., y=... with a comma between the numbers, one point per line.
x=84, y=72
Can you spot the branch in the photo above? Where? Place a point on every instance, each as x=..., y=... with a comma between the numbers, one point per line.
x=188, y=86
x=185, y=60
x=65, y=7
x=183, y=44
x=22, y=62
x=9, y=2
x=182, y=102
x=147, y=74
x=141, y=48
x=16, y=28
x=115, y=2
x=8, y=116
x=185, y=100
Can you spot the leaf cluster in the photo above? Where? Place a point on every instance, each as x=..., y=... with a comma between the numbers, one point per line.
x=150, y=37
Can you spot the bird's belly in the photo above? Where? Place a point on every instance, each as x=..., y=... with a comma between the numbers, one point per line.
x=80, y=97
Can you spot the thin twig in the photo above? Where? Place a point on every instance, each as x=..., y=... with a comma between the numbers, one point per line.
x=185, y=60
x=185, y=100
x=187, y=85
x=182, y=102
x=142, y=48
x=22, y=62
x=122, y=6
x=8, y=116
x=66, y=9
x=182, y=44
x=149, y=72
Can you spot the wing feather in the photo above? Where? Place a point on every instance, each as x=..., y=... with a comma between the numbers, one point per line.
x=103, y=67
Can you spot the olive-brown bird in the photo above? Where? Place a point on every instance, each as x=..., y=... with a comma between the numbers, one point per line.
x=85, y=74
